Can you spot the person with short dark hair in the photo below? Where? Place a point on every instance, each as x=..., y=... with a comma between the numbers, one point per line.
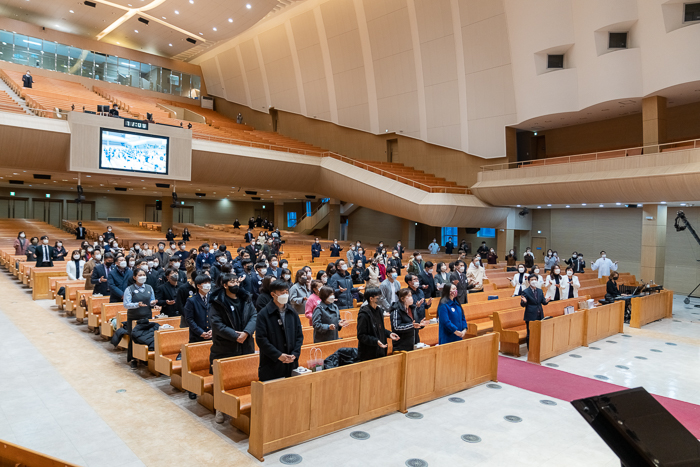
x=326, y=317
x=108, y=235
x=341, y=283
x=99, y=275
x=197, y=310
x=204, y=257
x=80, y=232
x=44, y=253
x=403, y=321
x=166, y=293
x=427, y=280
x=118, y=280
x=371, y=334
x=483, y=250
x=139, y=299
x=27, y=80
x=449, y=246
x=114, y=111
x=184, y=292
x=532, y=300
x=335, y=249
x=416, y=265
x=170, y=235
x=279, y=335
x=316, y=249
x=300, y=292
x=59, y=251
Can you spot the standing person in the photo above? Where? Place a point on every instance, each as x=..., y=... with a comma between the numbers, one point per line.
x=380, y=247
x=420, y=302
x=549, y=261
x=233, y=319
x=417, y=264
x=182, y=254
x=350, y=255
x=118, y=280
x=427, y=281
x=27, y=80
x=400, y=249
x=570, y=285
x=360, y=256
x=464, y=247
x=21, y=244
x=403, y=322
x=248, y=237
x=99, y=277
x=255, y=281
x=576, y=262
x=80, y=232
x=532, y=300
x=139, y=299
x=279, y=335
x=371, y=274
x=462, y=281
x=108, y=235
x=184, y=292
x=553, y=284
x=520, y=281
x=341, y=283
x=395, y=262
x=197, y=310
x=162, y=256
x=529, y=258
x=604, y=265
x=251, y=223
x=434, y=247
x=326, y=317
x=89, y=267
x=449, y=246
x=44, y=253
x=313, y=300
x=491, y=257
x=316, y=249
x=371, y=334
x=274, y=270
x=299, y=293
x=389, y=289
x=74, y=267
x=442, y=277
x=236, y=224
x=357, y=273
x=510, y=261
x=186, y=235
x=476, y=274
x=535, y=272
x=453, y=325
x=170, y=235
x=166, y=293
x=204, y=257
x=336, y=249
x=483, y=250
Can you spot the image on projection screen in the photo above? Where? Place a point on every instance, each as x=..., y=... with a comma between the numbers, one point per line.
x=133, y=152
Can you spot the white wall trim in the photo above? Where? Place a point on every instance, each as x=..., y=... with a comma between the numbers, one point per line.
x=461, y=75
x=248, y=100
x=418, y=61
x=328, y=68
x=261, y=64
x=369, y=67
x=221, y=77
x=297, y=67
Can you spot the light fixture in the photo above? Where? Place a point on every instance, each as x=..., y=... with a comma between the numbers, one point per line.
x=539, y=231
x=518, y=206
x=682, y=204
x=177, y=12
x=201, y=33
x=71, y=11
x=583, y=204
x=568, y=206
x=618, y=204
x=539, y=207
x=170, y=45
x=136, y=31
x=214, y=29
x=549, y=205
x=248, y=6
x=230, y=20
x=163, y=17
x=600, y=205
x=535, y=133
x=663, y=202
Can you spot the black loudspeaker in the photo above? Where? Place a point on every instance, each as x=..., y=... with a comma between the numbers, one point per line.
x=639, y=430
x=159, y=205
x=471, y=231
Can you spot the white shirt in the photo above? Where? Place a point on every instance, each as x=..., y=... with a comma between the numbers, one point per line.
x=46, y=257
x=603, y=266
x=434, y=248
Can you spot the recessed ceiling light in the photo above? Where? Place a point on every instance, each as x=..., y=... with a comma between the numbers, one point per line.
x=248, y=6
x=600, y=205
x=192, y=1
x=682, y=204
x=518, y=206
x=201, y=33
x=230, y=20
x=117, y=42
x=163, y=17
x=568, y=206
x=539, y=207
x=71, y=11
x=618, y=204
x=549, y=205
x=663, y=202
x=170, y=45
x=177, y=12
x=583, y=204
x=214, y=29
x=136, y=31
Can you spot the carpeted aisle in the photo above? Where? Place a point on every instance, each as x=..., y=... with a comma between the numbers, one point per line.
x=568, y=387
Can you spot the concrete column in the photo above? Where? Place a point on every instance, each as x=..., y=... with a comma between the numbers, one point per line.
x=653, y=243
x=334, y=219
x=408, y=235
x=279, y=217
x=654, y=122
x=166, y=215
x=505, y=240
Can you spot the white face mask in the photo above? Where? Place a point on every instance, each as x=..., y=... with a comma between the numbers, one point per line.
x=144, y=267
x=183, y=247
x=324, y=279
x=287, y=277
x=537, y=271
x=461, y=269
x=282, y=299
x=76, y=257
x=21, y=235
x=45, y=241
x=331, y=299
x=206, y=287
x=101, y=239
x=141, y=279
x=222, y=260
x=419, y=257
x=533, y=284
x=574, y=256
x=275, y=263
x=569, y=273
x=521, y=270
x=444, y=269
x=511, y=252
x=416, y=284
x=137, y=248
x=98, y=256
x=176, y=265
x=263, y=271
x=122, y=264
x=132, y=263
x=109, y=230
x=344, y=267
x=149, y=264
x=603, y=255
x=557, y=271
x=155, y=264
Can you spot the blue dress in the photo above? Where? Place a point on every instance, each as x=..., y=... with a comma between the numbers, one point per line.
x=451, y=319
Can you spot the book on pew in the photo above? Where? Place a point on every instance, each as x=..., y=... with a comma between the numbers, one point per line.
x=493, y=297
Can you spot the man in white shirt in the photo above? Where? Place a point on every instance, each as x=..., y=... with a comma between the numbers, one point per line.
x=44, y=253
x=603, y=265
x=434, y=247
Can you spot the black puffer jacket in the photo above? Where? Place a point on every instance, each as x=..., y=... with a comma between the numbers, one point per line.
x=143, y=333
x=371, y=331
x=226, y=324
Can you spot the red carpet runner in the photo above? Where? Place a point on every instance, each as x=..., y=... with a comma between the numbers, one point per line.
x=569, y=387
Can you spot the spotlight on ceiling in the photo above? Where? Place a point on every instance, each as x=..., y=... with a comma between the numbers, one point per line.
x=143, y=20
x=189, y=39
x=91, y=4
x=524, y=212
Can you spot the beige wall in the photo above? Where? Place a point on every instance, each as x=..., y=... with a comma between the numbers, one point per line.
x=371, y=226
x=260, y=120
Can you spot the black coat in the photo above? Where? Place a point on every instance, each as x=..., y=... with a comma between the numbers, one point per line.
x=315, y=250
x=80, y=233
x=273, y=340
x=343, y=299
x=101, y=288
x=248, y=237
x=263, y=299
x=144, y=333
x=253, y=252
x=533, y=307
x=370, y=331
x=335, y=250
x=402, y=324
x=449, y=246
x=252, y=285
x=226, y=323
x=166, y=292
x=197, y=317
x=426, y=279
x=395, y=263
x=27, y=81
x=39, y=252
x=612, y=289
x=184, y=292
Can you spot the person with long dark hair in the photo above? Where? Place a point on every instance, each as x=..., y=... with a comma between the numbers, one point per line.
x=453, y=324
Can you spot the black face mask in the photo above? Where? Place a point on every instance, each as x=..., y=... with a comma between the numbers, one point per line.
x=173, y=278
x=233, y=289
x=108, y=264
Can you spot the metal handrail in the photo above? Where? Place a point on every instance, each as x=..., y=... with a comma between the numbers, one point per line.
x=310, y=214
x=594, y=156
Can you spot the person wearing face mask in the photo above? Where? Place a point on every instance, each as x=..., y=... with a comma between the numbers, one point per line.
x=286, y=276
x=371, y=274
x=350, y=255
x=21, y=244
x=154, y=272
x=491, y=257
x=182, y=254
x=248, y=237
x=74, y=267
x=254, y=250
x=529, y=258
x=577, y=263
x=326, y=317
x=510, y=261
x=434, y=247
x=95, y=259
x=372, y=336
x=299, y=293
x=118, y=279
x=255, y=280
x=313, y=300
x=453, y=324
x=160, y=253
x=549, y=261
x=611, y=287
x=166, y=293
x=135, y=250
x=341, y=283
x=604, y=265
x=403, y=321
x=460, y=279
x=380, y=247
x=139, y=299
x=360, y=256
x=204, y=257
x=483, y=250
x=279, y=335
x=535, y=272
x=442, y=277
x=170, y=235
x=476, y=274
x=335, y=249
x=274, y=270
x=108, y=235
x=532, y=300
x=316, y=249
x=357, y=272
x=267, y=248
x=399, y=249
x=417, y=264
x=570, y=285
x=233, y=319
x=449, y=246
x=44, y=253
x=219, y=262
x=101, y=274
x=427, y=281
x=520, y=281
x=395, y=262
x=553, y=284
x=163, y=273
x=196, y=310
x=389, y=289
x=421, y=302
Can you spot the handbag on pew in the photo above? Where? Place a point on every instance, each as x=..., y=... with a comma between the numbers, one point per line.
x=62, y=292
x=83, y=302
x=316, y=361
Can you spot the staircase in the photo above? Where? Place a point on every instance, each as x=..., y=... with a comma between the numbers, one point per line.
x=18, y=100
x=315, y=221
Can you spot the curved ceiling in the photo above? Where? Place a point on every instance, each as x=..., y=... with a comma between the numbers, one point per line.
x=170, y=22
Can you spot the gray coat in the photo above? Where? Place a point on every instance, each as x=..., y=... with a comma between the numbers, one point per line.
x=344, y=299
x=298, y=295
x=385, y=288
x=325, y=315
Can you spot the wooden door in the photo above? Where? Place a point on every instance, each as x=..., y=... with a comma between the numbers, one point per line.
x=539, y=248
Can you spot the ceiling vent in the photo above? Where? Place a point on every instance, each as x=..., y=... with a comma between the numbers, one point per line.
x=42, y=177
x=92, y=4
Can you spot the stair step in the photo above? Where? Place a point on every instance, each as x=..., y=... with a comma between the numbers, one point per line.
x=8, y=90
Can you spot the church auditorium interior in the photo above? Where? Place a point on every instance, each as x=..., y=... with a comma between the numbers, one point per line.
x=349, y=232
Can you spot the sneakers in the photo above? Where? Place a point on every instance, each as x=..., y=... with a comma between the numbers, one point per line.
x=219, y=418
x=193, y=396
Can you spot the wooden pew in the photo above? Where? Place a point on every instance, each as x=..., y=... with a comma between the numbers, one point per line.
x=479, y=315
x=55, y=286
x=40, y=281
x=18, y=456
x=195, y=372
x=232, y=380
x=168, y=344
x=651, y=308
x=604, y=321
x=94, y=305
x=142, y=353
